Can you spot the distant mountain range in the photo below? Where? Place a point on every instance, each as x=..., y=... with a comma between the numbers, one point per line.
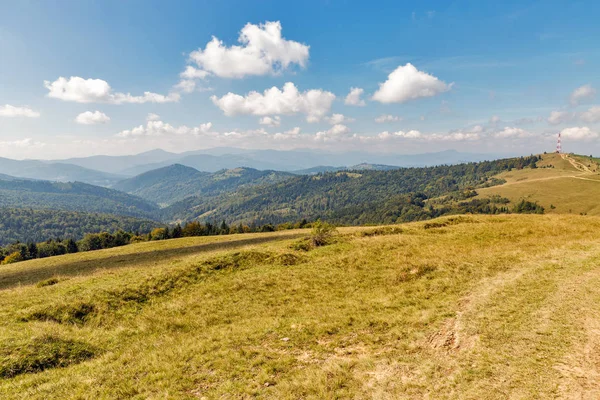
x=212, y=160
x=108, y=170
x=56, y=171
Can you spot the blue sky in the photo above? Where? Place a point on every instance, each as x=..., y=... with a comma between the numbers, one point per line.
x=469, y=75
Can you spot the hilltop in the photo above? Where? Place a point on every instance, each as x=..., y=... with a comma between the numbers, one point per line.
x=480, y=306
x=562, y=183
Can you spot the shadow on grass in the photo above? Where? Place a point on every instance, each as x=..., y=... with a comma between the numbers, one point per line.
x=29, y=276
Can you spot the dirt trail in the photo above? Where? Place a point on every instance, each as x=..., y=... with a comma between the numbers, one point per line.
x=584, y=171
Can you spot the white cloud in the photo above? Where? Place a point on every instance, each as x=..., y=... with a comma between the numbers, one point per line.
x=336, y=119
x=160, y=128
x=12, y=111
x=559, y=117
x=582, y=94
x=592, y=115
x=270, y=121
x=509, y=132
x=314, y=103
x=459, y=136
x=92, y=118
x=413, y=134
x=152, y=117
x=408, y=83
x=494, y=119
x=81, y=90
x=353, y=98
x=262, y=51
x=189, y=78
x=334, y=132
x=387, y=118
x=23, y=143
x=578, y=133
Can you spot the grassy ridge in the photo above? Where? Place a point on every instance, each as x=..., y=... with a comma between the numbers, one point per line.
x=461, y=307
x=562, y=184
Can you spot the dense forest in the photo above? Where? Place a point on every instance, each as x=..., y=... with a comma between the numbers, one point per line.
x=26, y=225
x=73, y=196
x=176, y=182
x=349, y=196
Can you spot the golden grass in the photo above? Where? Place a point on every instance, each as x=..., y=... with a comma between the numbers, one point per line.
x=562, y=189
x=482, y=307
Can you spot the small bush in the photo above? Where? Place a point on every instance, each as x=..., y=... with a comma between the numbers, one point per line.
x=322, y=233
x=41, y=354
x=13, y=258
x=381, y=231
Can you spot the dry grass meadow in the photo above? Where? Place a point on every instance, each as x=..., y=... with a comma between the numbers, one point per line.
x=469, y=307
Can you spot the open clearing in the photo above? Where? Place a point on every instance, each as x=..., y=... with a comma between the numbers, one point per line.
x=467, y=307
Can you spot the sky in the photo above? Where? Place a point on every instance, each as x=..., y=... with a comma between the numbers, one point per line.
x=80, y=78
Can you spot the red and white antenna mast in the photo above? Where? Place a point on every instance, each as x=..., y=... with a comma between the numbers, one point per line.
x=558, y=145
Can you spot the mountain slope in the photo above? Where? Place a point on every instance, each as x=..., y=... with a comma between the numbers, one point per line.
x=176, y=182
x=118, y=164
x=562, y=184
x=481, y=307
x=73, y=197
x=26, y=225
x=345, y=195
x=52, y=171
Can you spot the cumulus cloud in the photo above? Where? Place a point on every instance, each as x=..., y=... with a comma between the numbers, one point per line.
x=494, y=119
x=23, y=143
x=159, y=128
x=559, y=117
x=582, y=94
x=334, y=132
x=408, y=83
x=315, y=104
x=152, y=117
x=336, y=119
x=270, y=121
x=592, y=115
x=189, y=78
x=82, y=90
x=387, y=118
x=578, y=133
x=92, y=118
x=510, y=132
x=11, y=111
x=412, y=134
x=353, y=98
x=262, y=51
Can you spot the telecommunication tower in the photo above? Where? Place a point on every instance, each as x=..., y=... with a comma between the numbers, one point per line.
x=558, y=145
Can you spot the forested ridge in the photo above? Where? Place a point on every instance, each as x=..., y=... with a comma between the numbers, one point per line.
x=347, y=196
x=27, y=225
x=176, y=182
x=73, y=196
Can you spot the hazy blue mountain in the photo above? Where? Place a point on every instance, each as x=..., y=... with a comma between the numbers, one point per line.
x=75, y=196
x=53, y=171
x=372, y=167
x=317, y=170
x=212, y=160
x=176, y=182
x=118, y=164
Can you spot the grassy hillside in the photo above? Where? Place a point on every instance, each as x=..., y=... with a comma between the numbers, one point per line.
x=562, y=184
x=479, y=307
x=72, y=196
x=176, y=182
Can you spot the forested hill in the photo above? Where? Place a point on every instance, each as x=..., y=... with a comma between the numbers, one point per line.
x=25, y=225
x=73, y=197
x=176, y=182
x=333, y=195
